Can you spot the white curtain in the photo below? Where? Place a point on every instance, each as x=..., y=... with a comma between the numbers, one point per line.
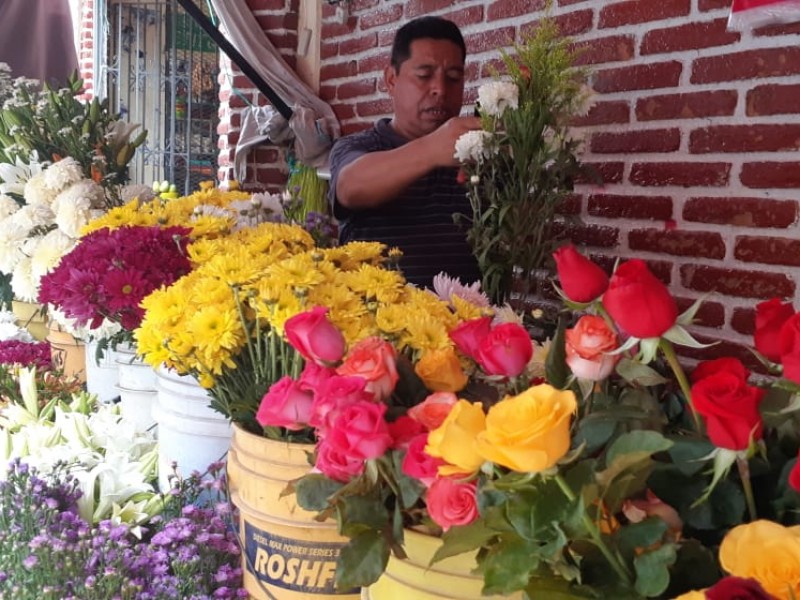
x=313, y=123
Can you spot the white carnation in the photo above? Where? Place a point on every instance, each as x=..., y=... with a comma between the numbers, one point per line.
x=36, y=192
x=496, y=96
x=8, y=206
x=62, y=174
x=472, y=146
x=33, y=215
x=48, y=253
x=72, y=207
x=22, y=283
x=12, y=237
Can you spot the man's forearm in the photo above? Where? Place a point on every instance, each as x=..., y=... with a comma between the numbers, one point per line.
x=377, y=177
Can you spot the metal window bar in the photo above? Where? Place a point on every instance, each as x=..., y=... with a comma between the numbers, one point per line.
x=162, y=72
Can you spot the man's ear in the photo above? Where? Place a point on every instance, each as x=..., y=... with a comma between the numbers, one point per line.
x=390, y=78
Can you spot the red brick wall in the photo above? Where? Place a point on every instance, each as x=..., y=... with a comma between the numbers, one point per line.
x=696, y=131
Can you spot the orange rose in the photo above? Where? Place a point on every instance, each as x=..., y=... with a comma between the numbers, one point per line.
x=588, y=345
x=441, y=371
x=433, y=410
x=373, y=359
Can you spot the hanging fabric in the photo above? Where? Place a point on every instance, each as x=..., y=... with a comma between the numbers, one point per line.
x=747, y=14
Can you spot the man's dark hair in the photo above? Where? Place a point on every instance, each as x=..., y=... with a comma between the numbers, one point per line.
x=434, y=28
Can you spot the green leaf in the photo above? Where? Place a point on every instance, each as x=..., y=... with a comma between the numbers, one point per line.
x=531, y=513
x=508, y=565
x=678, y=335
x=635, y=372
x=556, y=588
x=652, y=570
x=637, y=443
x=595, y=430
x=362, y=561
x=314, y=490
x=556, y=370
x=458, y=540
x=641, y=535
x=357, y=513
x=687, y=454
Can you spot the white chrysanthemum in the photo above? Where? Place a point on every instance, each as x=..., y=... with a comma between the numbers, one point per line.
x=446, y=287
x=12, y=238
x=8, y=206
x=36, y=192
x=209, y=210
x=72, y=207
x=61, y=175
x=496, y=96
x=33, y=215
x=22, y=283
x=48, y=253
x=472, y=146
x=9, y=330
x=144, y=193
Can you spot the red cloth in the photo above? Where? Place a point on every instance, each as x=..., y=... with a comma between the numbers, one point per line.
x=36, y=39
x=756, y=13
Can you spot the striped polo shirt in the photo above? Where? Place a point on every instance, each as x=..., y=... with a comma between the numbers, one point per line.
x=419, y=221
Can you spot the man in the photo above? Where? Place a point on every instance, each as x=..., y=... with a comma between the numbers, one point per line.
x=396, y=182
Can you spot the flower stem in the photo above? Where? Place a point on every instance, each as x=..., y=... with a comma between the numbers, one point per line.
x=683, y=382
x=744, y=475
x=619, y=568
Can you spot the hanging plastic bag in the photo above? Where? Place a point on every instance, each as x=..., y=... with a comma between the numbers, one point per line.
x=747, y=14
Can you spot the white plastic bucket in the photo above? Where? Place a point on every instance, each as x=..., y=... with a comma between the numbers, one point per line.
x=101, y=377
x=137, y=406
x=134, y=374
x=190, y=432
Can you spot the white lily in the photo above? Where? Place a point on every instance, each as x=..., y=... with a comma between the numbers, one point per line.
x=14, y=176
x=119, y=479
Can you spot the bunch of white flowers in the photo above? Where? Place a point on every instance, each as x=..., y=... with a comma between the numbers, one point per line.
x=496, y=96
x=59, y=201
x=114, y=463
x=473, y=146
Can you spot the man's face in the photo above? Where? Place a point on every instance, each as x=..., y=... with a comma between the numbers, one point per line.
x=429, y=88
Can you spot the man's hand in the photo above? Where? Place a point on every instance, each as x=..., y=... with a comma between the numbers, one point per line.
x=442, y=143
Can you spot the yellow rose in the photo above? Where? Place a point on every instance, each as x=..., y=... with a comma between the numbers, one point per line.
x=441, y=371
x=454, y=440
x=693, y=595
x=767, y=552
x=529, y=432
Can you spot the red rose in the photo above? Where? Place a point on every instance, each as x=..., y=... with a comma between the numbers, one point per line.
x=789, y=343
x=360, y=431
x=469, y=334
x=588, y=345
x=639, y=303
x=373, y=359
x=710, y=367
x=286, y=404
x=452, y=502
x=770, y=317
x=419, y=464
x=314, y=337
x=730, y=408
x=404, y=430
x=737, y=588
x=505, y=351
x=337, y=465
x=332, y=397
x=794, y=476
x=581, y=279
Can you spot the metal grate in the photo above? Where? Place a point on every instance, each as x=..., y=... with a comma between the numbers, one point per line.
x=162, y=70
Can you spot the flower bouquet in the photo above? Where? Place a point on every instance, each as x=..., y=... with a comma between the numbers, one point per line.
x=521, y=166
x=613, y=477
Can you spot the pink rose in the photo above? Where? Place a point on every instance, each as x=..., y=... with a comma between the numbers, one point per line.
x=403, y=430
x=639, y=303
x=452, y=502
x=314, y=337
x=360, y=431
x=373, y=359
x=581, y=279
x=770, y=317
x=314, y=376
x=433, y=410
x=335, y=394
x=419, y=464
x=286, y=404
x=588, y=345
x=337, y=465
x=467, y=336
x=506, y=351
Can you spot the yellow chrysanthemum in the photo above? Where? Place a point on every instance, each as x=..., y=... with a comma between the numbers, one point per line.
x=465, y=310
x=216, y=333
x=392, y=318
x=375, y=283
x=424, y=332
x=365, y=252
x=298, y=272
